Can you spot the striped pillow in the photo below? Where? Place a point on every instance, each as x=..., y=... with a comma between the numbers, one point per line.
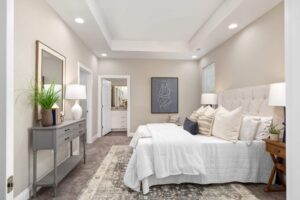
x=194, y=116
x=205, y=124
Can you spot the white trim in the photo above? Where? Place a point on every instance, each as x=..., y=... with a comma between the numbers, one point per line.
x=292, y=71
x=7, y=95
x=25, y=194
x=90, y=99
x=100, y=77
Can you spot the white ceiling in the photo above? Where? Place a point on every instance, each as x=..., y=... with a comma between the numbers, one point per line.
x=158, y=29
x=155, y=20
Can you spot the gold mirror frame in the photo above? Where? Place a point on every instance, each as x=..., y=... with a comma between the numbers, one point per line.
x=40, y=47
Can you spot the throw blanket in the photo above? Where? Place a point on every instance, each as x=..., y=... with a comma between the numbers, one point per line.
x=174, y=151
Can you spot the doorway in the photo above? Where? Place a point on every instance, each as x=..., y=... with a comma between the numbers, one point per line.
x=85, y=78
x=114, y=104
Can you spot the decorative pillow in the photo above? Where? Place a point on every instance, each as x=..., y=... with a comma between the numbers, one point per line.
x=201, y=110
x=249, y=128
x=209, y=110
x=205, y=121
x=262, y=132
x=190, y=126
x=227, y=124
x=173, y=119
x=194, y=116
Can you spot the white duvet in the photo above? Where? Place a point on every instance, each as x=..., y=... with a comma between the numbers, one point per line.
x=164, y=151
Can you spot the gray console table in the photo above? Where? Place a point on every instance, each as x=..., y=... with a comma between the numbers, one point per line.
x=51, y=138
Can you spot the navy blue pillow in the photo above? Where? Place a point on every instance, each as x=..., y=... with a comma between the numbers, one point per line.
x=190, y=126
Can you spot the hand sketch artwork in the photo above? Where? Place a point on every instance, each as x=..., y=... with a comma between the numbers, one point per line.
x=164, y=95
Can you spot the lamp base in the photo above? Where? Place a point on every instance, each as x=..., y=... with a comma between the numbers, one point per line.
x=76, y=111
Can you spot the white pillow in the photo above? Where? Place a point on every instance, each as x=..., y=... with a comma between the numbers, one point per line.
x=262, y=131
x=249, y=128
x=227, y=124
x=201, y=110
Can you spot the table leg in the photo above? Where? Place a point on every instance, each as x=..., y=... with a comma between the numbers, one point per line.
x=71, y=148
x=84, y=153
x=55, y=174
x=267, y=189
x=34, y=173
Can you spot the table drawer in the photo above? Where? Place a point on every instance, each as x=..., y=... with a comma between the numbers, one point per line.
x=79, y=125
x=273, y=149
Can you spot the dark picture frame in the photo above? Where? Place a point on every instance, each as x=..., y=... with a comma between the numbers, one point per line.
x=164, y=95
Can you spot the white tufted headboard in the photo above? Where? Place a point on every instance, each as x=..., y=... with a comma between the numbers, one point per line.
x=254, y=101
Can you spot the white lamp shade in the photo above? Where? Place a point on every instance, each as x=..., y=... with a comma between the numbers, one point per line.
x=209, y=98
x=277, y=94
x=75, y=92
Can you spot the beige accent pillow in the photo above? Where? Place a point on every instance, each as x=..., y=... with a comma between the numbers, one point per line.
x=249, y=128
x=205, y=121
x=195, y=115
x=227, y=124
x=201, y=110
x=173, y=119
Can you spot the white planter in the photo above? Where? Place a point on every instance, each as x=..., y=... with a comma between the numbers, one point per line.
x=274, y=137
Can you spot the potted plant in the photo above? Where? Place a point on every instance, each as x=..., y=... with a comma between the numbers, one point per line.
x=274, y=132
x=45, y=98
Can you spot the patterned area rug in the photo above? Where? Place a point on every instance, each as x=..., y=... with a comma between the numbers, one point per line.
x=107, y=184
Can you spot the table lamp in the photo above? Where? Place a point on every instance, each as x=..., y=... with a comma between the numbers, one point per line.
x=209, y=99
x=277, y=98
x=76, y=92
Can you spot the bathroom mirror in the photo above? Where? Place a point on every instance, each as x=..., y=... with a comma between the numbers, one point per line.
x=51, y=68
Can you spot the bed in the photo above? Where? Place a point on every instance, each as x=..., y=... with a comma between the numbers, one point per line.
x=219, y=161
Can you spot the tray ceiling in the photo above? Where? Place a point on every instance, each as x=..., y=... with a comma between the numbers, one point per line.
x=158, y=29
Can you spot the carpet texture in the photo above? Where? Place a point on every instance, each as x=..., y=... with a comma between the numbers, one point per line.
x=107, y=183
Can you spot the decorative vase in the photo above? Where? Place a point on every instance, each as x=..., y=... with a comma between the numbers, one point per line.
x=274, y=137
x=47, y=117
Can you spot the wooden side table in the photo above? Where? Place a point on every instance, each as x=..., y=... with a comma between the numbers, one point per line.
x=277, y=152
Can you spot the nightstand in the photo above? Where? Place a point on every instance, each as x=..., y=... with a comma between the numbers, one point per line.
x=277, y=152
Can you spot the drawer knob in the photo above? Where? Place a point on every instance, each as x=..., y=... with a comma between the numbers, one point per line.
x=67, y=129
x=67, y=138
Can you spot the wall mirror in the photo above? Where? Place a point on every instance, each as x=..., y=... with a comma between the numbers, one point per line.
x=51, y=68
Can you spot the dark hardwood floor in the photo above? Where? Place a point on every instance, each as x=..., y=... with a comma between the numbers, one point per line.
x=72, y=185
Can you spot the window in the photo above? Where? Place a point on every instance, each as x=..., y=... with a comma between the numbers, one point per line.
x=208, y=79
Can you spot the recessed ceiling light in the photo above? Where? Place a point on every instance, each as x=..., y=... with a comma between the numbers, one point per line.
x=232, y=26
x=194, y=56
x=103, y=54
x=79, y=20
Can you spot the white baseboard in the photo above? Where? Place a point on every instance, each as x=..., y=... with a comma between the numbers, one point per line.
x=95, y=137
x=25, y=195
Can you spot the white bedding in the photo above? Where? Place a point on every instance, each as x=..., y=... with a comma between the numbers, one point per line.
x=222, y=161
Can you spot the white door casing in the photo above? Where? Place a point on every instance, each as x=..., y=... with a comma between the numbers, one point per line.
x=86, y=74
x=106, y=107
x=292, y=71
x=7, y=96
x=100, y=78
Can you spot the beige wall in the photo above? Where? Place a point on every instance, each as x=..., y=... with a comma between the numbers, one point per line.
x=35, y=20
x=253, y=56
x=140, y=72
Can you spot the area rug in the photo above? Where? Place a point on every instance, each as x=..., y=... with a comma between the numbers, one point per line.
x=107, y=184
